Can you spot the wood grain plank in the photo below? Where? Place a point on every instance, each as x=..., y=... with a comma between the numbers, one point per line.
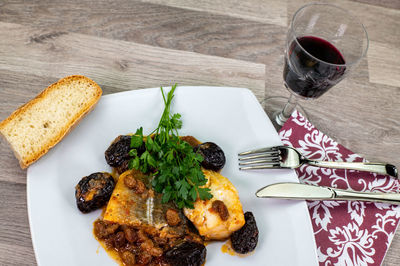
x=383, y=3
x=382, y=24
x=15, y=239
x=122, y=64
x=153, y=24
x=14, y=228
x=392, y=257
x=14, y=255
x=272, y=11
x=383, y=63
x=9, y=166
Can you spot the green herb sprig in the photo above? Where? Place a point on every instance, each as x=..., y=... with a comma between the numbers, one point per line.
x=175, y=166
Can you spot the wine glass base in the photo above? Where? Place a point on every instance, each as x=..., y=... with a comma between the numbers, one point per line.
x=273, y=107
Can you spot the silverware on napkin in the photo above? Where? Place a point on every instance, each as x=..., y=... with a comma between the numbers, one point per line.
x=288, y=157
x=296, y=191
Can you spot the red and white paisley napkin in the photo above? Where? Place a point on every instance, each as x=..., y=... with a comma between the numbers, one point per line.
x=346, y=233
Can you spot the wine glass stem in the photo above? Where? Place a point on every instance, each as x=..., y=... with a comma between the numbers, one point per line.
x=287, y=110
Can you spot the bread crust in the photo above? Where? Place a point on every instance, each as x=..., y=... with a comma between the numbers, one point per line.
x=65, y=130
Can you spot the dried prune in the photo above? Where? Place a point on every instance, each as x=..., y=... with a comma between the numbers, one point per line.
x=214, y=157
x=246, y=238
x=187, y=254
x=118, y=152
x=94, y=191
x=123, y=167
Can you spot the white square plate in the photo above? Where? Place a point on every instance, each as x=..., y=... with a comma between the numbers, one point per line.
x=230, y=117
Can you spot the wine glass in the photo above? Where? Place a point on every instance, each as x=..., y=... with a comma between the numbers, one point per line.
x=323, y=45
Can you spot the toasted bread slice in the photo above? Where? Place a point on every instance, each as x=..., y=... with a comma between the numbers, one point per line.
x=38, y=125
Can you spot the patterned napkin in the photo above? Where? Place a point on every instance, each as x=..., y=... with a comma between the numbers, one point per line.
x=346, y=233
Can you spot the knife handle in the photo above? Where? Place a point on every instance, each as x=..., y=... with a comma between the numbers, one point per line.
x=380, y=168
x=340, y=194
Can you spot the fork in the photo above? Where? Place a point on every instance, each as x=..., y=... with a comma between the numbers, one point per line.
x=288, y=157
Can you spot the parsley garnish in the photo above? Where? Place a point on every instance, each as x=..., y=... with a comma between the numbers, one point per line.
x=175, y=166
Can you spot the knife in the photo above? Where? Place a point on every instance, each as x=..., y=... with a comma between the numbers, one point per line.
x=296, y=191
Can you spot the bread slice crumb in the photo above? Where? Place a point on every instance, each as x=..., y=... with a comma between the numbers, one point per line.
x=38, y=125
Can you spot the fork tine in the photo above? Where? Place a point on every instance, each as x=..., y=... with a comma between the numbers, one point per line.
x=274, y=160
x=266, y=156
x=263, y=150
x=261, y=166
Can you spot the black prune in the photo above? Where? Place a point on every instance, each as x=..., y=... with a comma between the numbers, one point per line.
x=246, y=238
x=123, y=167
x=187, y=254
x=214, y=157
x=118, y=152
x=94, y=191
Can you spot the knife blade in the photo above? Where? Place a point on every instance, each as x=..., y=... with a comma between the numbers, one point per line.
x=296, y=191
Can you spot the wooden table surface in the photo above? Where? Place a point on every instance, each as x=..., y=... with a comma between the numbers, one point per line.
x=130, y=44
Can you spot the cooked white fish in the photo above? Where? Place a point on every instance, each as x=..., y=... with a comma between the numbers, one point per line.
x=130, y=208
x=209, y=221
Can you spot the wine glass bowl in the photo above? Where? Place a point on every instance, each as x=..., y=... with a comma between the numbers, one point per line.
x=312, y=66
x=323, y=45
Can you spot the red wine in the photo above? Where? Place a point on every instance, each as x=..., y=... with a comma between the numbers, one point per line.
x=305, y=75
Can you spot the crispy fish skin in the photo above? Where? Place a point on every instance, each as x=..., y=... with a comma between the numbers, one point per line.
x=206, y=220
